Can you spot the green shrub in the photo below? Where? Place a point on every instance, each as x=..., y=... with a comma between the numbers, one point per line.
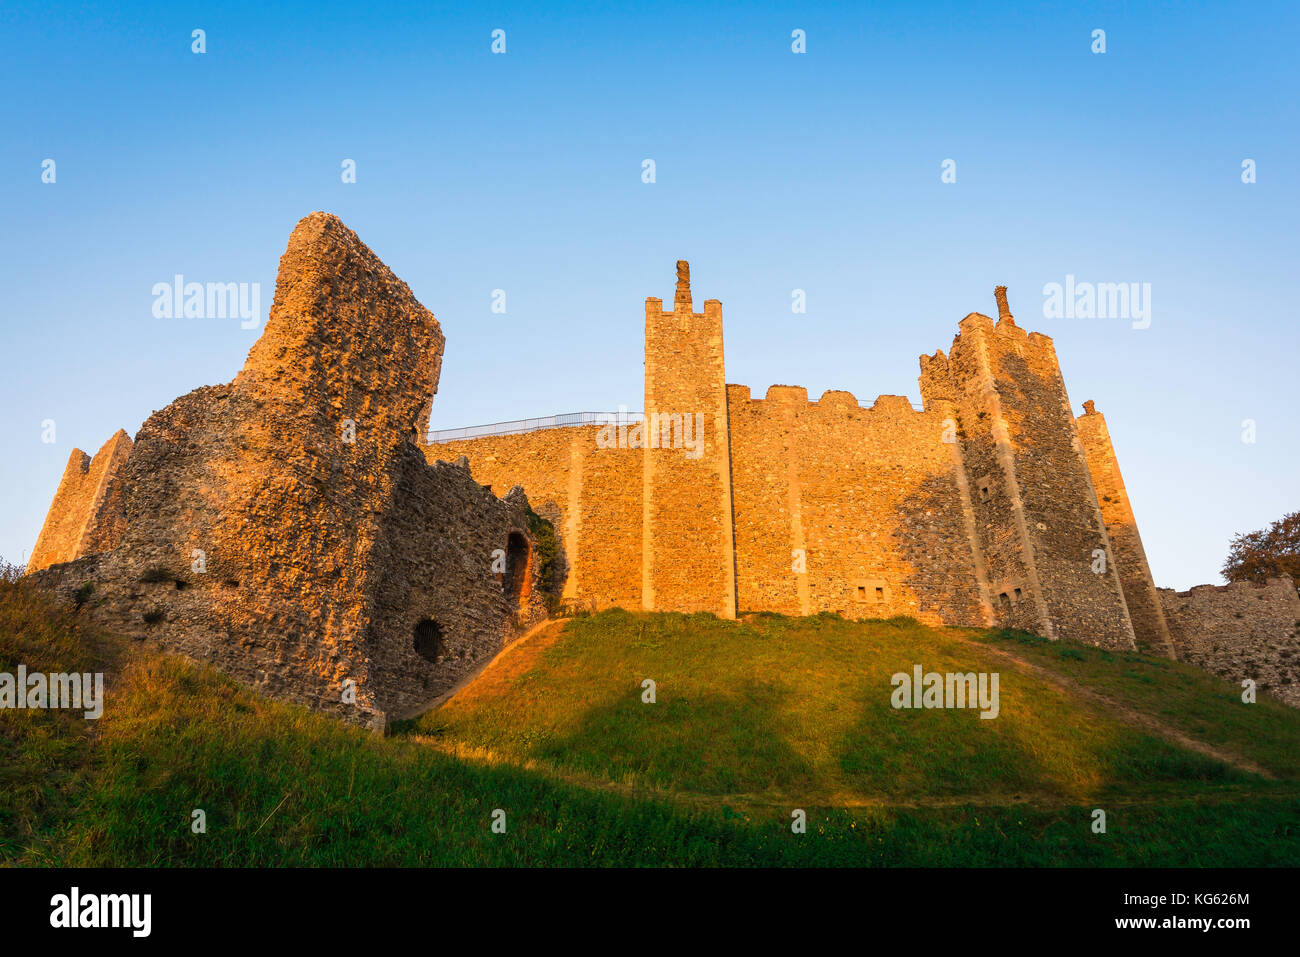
x=82, y=594
x=546, y=551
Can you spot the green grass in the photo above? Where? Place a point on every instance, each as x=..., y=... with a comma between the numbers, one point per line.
x=1211, y=710
x=781, y=712
x=798, y=711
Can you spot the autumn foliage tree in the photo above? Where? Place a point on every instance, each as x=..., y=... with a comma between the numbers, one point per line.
x=1267, y=553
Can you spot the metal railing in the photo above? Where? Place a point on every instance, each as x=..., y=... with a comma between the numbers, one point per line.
x=563, y=421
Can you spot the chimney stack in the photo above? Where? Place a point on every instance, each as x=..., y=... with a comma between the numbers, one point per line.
x=682, y=301
x=1004, y=311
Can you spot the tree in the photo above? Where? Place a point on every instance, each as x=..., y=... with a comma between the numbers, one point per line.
x=1267, y=553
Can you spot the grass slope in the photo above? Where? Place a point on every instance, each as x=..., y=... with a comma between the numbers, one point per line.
x=751, y=721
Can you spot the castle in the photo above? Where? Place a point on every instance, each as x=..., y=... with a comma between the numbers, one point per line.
x=298, y=528
x=993, y=505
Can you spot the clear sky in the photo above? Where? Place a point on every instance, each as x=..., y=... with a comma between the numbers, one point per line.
x=774, y=170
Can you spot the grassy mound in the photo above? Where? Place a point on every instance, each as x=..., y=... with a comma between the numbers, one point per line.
x=751, y=721
x=796, y=711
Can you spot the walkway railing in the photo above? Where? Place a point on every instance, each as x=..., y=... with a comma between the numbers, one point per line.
x=563, y=421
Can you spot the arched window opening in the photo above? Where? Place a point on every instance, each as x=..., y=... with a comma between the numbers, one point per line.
x=428, y=639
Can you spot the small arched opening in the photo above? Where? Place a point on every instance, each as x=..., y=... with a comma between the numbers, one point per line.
x=428, y=639
x=515, y=580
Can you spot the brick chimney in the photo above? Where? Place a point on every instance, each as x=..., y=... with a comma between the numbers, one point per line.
x=682, y=301
x=1004, y=310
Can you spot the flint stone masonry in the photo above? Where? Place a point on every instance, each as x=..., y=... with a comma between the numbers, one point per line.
x=287, y=527
x=591, y=494
x=1241, y=630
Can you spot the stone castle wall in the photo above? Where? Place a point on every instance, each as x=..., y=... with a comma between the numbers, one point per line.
x=589, y=489
x=1239, y=631
x=436, y=556
x=869, y=496
x=978, y=510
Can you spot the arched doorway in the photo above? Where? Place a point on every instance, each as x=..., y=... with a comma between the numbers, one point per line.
x=515, y=582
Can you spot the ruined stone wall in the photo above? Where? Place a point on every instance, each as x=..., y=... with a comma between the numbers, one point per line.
x=439, y=554
x=589, y=490
x=87, y=512
x=260, y=515
x=1144, y=604
x=870, y=495
x=1242, y=630
x=689, y=562
x=539, y=461
x=1037, y=518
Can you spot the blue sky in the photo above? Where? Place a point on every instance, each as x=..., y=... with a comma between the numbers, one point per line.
x=774, y=171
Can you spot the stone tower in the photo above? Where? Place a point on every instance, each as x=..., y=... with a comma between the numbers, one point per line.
x=1038, y=525
x=688, y=559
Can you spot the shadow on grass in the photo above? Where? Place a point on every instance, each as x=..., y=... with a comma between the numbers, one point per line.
x=1042, y=744
x=711, y=743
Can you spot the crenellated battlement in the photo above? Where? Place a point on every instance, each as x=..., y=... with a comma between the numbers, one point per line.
x=683, y=303
x=837, y=400
x=786, y=393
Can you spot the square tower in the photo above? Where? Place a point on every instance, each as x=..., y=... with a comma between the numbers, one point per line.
x=688, y=558
x=1049, y=562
